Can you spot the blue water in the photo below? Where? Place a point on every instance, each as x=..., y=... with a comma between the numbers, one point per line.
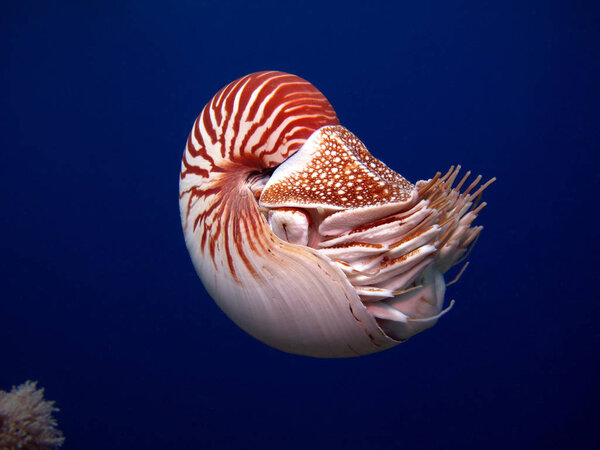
x=100, y=303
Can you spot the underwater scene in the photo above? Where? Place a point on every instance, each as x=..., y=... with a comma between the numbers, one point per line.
x=357, y=225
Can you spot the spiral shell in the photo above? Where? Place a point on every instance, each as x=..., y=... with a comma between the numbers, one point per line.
x=301, y=236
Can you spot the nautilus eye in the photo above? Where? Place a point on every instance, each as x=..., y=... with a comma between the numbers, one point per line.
x=306, y=240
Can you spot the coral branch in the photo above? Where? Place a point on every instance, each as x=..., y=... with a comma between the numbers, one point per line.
x=26, y=420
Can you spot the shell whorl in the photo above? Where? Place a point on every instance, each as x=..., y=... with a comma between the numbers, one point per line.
x=258, y=121
x=252, y=124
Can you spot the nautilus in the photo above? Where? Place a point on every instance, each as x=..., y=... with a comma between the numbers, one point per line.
x=302, y=237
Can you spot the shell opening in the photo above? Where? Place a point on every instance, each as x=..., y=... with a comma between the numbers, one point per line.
x=392, y=240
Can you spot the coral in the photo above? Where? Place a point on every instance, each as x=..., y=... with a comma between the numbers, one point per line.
x=26, y=420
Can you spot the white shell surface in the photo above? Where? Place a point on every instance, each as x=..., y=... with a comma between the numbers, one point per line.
x=300, y=302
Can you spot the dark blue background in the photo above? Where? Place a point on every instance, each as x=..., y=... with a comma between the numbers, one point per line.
x=99, y=300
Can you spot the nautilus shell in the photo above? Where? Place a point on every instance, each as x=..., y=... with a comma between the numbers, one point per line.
x=302, y=237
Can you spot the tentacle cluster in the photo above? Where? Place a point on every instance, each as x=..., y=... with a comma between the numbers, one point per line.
x=390, y=238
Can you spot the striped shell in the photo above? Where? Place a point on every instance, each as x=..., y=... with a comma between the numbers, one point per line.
x=301, y=236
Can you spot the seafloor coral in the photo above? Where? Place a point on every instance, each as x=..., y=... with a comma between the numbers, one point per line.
x=26, y=420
